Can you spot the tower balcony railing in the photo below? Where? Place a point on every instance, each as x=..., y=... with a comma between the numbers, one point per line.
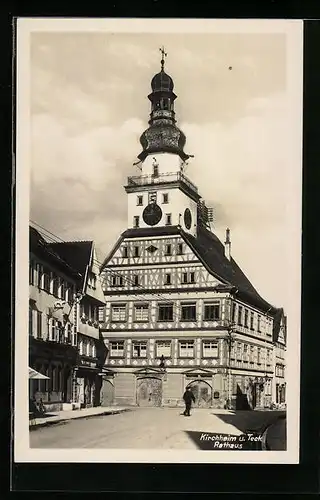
x=142, y=180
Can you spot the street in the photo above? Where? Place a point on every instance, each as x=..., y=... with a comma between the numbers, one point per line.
x=148, y=428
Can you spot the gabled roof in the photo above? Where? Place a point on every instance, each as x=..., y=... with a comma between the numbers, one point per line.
x=77, y=253
x=210, y=251
x=39, y=246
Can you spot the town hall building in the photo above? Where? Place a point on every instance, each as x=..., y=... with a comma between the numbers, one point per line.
x=179, y=310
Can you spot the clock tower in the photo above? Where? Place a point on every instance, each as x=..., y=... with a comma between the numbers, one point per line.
x=161, y=194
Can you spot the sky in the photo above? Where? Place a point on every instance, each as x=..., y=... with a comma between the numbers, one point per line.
x=89, y=107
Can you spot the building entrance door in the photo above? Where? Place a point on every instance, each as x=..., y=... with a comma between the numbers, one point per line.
x=149, y=391
x=202, y=392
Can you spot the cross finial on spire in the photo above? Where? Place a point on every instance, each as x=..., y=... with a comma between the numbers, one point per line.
x=164, y=54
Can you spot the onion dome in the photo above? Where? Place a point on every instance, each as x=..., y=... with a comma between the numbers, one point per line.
x=162, y=82
x=162, y=135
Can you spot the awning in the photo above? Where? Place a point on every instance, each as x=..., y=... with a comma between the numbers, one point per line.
x=33, y=374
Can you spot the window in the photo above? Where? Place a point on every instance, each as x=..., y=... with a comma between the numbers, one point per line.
x=259, y=324
x=210, y=349
x=31, y=272
x=68, y=332
x=46, y=280
x=118, y=312
x=188, y=312
x=139, y=349
x=30, y=320
x=39, y=324
x=188, y=278
x=239, y=350
x=186, y=349
x=167, y=279
x=40, y=275
x=117, y=281
x=251, y=320
x=163, y=348
x=62, y=291
x=165, y=312
x=141, y=312
x=92, y=280
x=245, y=353
x=246, y=315
x=168, y=250
x=94, y=351
x=233, y=312
x=211, y=311
x=155, y=170
x=259, y=356
x=165, y=198
x=136, y=280
x=116, y=349
x=136, y=251
x=52, y=329
x=55, y=285
x=251, y=354
x=168, y=219
x=125, y=252
x=139, y=200
x=180, y=249
x=136, y=219
x=240, y=315
x=268, y=356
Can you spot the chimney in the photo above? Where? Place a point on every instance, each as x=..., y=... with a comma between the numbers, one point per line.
x=227, y=245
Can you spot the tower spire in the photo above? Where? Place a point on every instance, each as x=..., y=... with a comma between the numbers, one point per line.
x=163, y=54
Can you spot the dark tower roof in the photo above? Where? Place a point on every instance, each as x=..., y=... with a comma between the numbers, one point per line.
x=162, y=136
x=162, y=82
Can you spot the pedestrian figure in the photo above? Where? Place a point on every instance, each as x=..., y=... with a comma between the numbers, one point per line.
x=188, y=398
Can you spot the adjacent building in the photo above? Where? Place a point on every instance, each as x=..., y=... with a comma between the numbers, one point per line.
x=179, y=310
x=91, y=349
x=64, y=338
x=53, y=285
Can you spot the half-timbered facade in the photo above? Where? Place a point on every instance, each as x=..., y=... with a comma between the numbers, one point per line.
x=179, y=310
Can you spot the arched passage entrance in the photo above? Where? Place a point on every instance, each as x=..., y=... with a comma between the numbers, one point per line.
x=149, y=391
x=107, y=392
x=202, y=392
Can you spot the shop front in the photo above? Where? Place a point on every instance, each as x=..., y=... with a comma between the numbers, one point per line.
x=88, y=384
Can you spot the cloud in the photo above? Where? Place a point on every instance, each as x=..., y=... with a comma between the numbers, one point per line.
x=89, y=107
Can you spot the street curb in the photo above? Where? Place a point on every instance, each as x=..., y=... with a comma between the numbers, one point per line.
x=63, y=420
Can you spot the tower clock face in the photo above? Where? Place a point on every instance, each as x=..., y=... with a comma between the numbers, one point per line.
x=152, y=214
x=187, y=218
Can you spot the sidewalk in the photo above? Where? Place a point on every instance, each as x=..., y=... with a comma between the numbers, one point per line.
x=62, y=416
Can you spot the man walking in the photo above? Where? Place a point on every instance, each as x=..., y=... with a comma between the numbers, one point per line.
x=188, y=398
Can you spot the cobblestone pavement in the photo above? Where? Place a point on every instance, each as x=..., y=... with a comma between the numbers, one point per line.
x=148, y=428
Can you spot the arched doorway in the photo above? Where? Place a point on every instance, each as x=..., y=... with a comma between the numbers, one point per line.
x=202, y=392
x=107, y=393
x=149, y=391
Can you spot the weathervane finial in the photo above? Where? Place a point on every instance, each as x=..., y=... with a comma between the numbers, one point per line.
x=164, y=54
